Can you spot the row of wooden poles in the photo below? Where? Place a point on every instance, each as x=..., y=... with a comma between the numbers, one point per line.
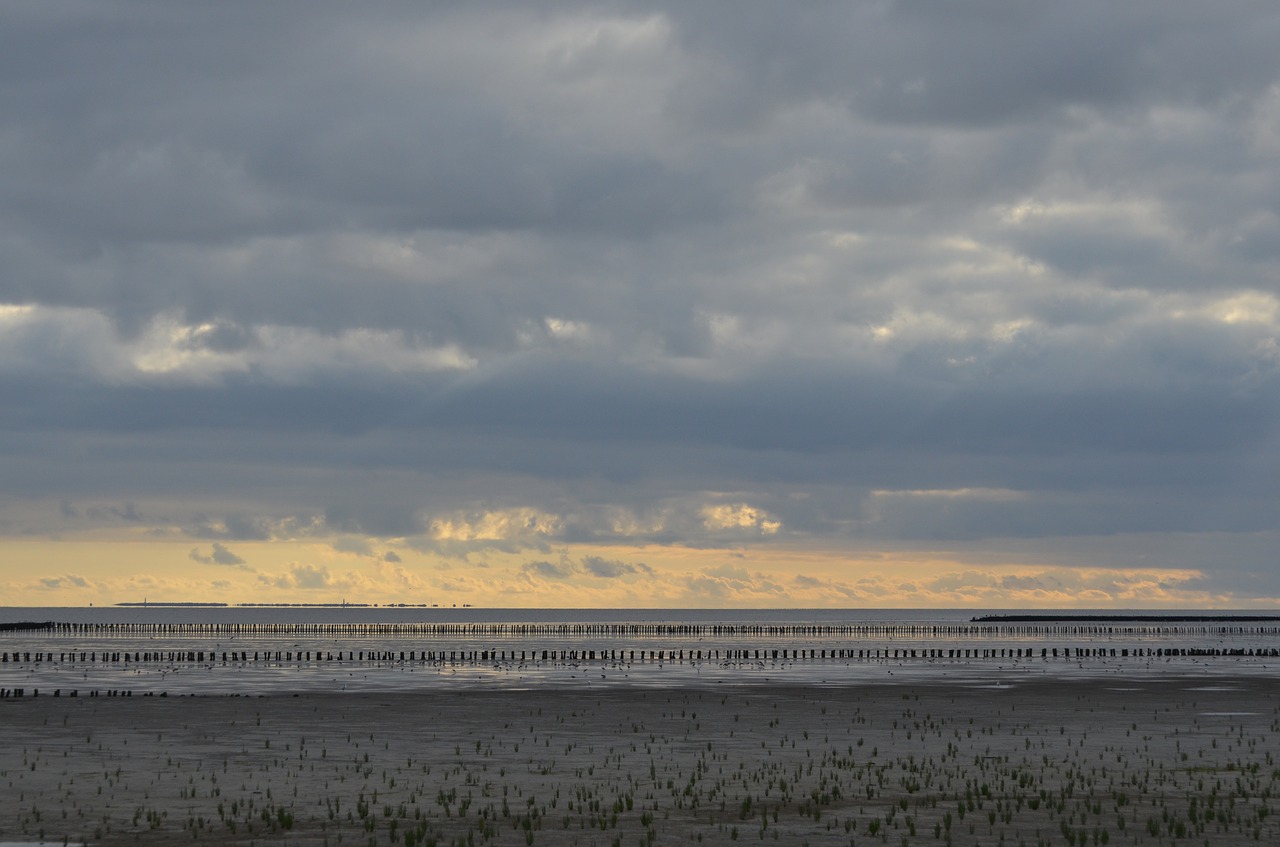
x=661, y=630
x=6, y=693
x=616, y=656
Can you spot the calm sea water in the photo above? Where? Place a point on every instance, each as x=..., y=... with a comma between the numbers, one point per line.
x=271, y=650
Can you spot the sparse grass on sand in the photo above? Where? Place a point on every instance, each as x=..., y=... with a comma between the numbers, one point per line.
x=1171, y=762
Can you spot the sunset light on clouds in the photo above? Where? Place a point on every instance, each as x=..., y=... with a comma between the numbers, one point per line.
x=632, y=305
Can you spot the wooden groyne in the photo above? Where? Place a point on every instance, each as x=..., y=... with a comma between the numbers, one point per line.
x=614, y=655
x=6, y=693
x=149, y=668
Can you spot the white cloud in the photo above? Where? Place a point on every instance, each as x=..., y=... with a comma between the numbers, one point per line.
x=518, y=524
x=67, y=342
x=739, y=516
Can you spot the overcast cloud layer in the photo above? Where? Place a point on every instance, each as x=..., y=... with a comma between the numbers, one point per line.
x=1000, y=279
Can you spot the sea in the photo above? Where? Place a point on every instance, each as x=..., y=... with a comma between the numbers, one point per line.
x=243, y=650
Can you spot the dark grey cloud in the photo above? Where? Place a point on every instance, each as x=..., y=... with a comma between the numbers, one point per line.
x=591, y=566
x=220, y=555
x=128, y=513
x=359, y=546
x=52, y=583
x=306, y=577
x=612, y=568
x=890, y=273
x=232, y=526
x=549, y=570
x=991, y=62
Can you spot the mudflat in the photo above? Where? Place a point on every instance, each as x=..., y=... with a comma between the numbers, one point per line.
x=1168, y=760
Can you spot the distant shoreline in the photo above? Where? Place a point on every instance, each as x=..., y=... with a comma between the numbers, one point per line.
x=143, y=604
x=1124, y=618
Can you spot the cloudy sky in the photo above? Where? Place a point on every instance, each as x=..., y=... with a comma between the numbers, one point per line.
x=623, y=304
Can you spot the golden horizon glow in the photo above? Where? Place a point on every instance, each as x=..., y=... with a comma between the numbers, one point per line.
x=367, y=571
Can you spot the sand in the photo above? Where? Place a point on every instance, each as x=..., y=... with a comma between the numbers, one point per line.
x=1169, y=761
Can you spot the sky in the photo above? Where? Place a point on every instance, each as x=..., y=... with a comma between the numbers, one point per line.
x=877, y=304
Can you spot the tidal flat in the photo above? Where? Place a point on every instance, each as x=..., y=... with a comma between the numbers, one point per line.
x=1175, y=760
